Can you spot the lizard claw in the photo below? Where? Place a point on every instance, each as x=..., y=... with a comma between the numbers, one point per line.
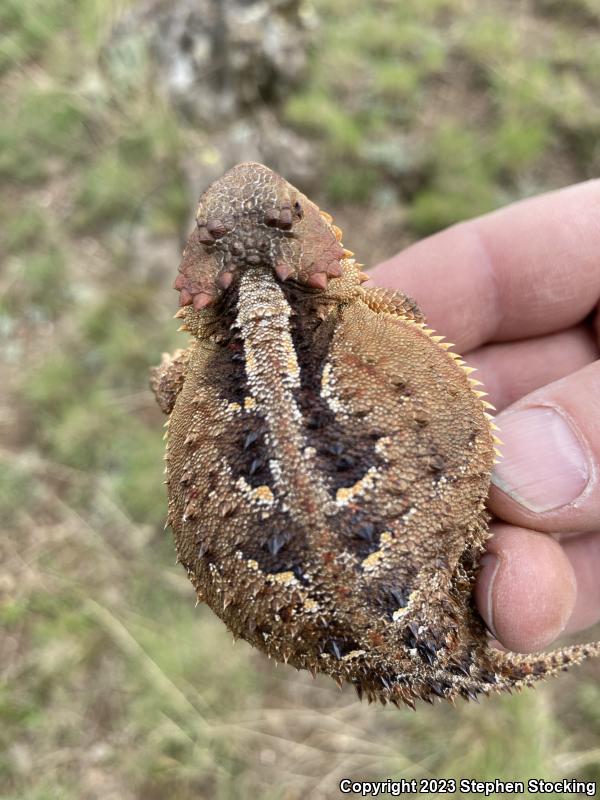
x=185, y=298
x=202, y=299
x=224, y=280
x=317, y=280
x=333, y=269
x=283, y=271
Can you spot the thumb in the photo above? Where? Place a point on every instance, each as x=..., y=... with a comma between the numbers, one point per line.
x=548, y=477
x=529, y=586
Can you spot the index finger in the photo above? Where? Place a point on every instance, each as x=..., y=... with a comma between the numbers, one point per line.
x=528, y=269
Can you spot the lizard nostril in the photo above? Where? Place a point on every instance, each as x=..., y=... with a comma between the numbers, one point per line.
x=285, y=219
x=204, y=236
x=216, y=228
x=271, y=217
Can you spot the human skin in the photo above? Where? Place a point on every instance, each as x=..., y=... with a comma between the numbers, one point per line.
x=518, y=293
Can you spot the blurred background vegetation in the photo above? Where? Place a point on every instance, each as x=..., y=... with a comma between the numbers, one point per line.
x=401, y=118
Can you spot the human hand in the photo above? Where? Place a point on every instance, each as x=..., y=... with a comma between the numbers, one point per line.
x=518, y=293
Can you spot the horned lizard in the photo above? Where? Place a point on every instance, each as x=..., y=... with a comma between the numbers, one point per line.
x=328, y=458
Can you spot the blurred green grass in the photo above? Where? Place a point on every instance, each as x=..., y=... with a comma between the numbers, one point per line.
x=113, y=685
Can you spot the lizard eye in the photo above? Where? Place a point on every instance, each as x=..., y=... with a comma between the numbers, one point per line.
x=298, y=209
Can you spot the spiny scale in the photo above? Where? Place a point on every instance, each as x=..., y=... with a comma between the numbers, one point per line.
x=328, y=458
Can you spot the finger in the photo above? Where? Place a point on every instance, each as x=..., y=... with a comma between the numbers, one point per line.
x=510, y=371
x=583, y=553
x=526, y=588
x=525, y=270
x=548, y=478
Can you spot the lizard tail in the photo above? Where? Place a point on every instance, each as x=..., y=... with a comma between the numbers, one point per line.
x=516, y=669
x=497, y=671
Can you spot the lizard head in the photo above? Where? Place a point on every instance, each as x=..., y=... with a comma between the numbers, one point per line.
x=251, y=218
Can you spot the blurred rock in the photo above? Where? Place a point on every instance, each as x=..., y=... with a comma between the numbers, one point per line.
x=259, y=136
x=219, y=58
x=225, y=65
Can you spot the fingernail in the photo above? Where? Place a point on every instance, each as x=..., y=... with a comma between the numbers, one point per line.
x=489, y=564
x=543, y=464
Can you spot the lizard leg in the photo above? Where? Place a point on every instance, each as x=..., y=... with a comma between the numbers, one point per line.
x=167, y=378
x=391, y=302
